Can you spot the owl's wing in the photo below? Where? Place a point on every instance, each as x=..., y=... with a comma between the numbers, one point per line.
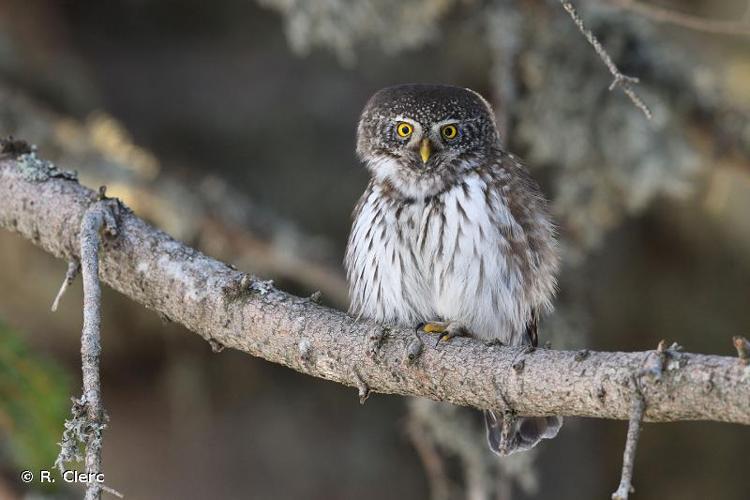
x=529, y=209
x=532, y=328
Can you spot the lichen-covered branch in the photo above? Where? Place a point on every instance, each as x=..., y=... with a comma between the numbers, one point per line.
x=97, y=219
x=88, y=417
x=219, y=303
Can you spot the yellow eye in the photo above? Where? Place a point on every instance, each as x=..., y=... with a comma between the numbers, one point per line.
x=449, y=132
x=404, y=129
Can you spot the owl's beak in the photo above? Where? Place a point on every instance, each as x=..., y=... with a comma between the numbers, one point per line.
x=424, y=150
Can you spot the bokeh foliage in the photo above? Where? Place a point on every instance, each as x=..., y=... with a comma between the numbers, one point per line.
x=34, y=395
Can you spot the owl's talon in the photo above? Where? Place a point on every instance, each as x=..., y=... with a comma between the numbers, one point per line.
x=446, y=330
x=433, y=327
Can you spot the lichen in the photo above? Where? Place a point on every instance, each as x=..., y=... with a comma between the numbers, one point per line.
x=179, y=272
x=36, y=169
x=78, y=430
x=261, y=287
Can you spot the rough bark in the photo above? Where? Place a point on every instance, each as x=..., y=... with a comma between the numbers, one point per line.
x=227, y=308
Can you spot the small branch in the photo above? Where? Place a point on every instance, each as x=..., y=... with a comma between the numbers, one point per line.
x=662, y=15
x=624, y=82
x=97, y=217
x=362, y=389
x=631, y=443
x=111, y=491
x=743, y=349
x=70, y=275
x=88, y=419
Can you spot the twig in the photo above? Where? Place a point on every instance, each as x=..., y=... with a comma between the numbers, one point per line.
x=111, y=491
x=743, y=349
x=631, y=443
x=362, y=389
x=99, y=216
x=70, y=275
x=620, y=80
x=662, y=15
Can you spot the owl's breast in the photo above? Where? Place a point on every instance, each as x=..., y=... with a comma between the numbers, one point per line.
x=388, y=275
x=475, y=275
x=454, y=257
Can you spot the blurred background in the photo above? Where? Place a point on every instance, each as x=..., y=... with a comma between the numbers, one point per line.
x=230, y=124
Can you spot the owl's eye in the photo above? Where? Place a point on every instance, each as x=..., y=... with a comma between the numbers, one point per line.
x=404, y=129
x=449, y=132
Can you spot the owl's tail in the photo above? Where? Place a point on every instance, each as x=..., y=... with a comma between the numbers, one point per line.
x=522, y=434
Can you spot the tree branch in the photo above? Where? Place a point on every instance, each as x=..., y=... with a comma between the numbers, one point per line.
x=219, y=303
x=621, y=80
x=662, y=15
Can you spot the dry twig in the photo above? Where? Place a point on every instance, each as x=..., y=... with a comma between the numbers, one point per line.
x=631, y=443
x=662, y=15
x=620, y=80
x=362, y=389
x=70, y=275
x=96, y=218
x=743, y=349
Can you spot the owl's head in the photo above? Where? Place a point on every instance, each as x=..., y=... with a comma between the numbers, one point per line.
x=421, y=137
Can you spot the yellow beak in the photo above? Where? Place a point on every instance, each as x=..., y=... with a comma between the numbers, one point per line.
x=425, y=150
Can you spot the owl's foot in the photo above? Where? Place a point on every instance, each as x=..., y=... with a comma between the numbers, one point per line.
x=446, y=330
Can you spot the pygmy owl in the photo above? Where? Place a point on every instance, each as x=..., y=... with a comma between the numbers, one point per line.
x=451, y=233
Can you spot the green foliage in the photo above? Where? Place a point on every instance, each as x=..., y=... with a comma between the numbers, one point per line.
x=34, y=403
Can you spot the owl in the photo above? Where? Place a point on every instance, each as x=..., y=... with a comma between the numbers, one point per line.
x=452, y=235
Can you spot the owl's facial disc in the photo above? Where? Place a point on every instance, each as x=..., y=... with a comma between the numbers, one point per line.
x=420, y=138
x=422, y=145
